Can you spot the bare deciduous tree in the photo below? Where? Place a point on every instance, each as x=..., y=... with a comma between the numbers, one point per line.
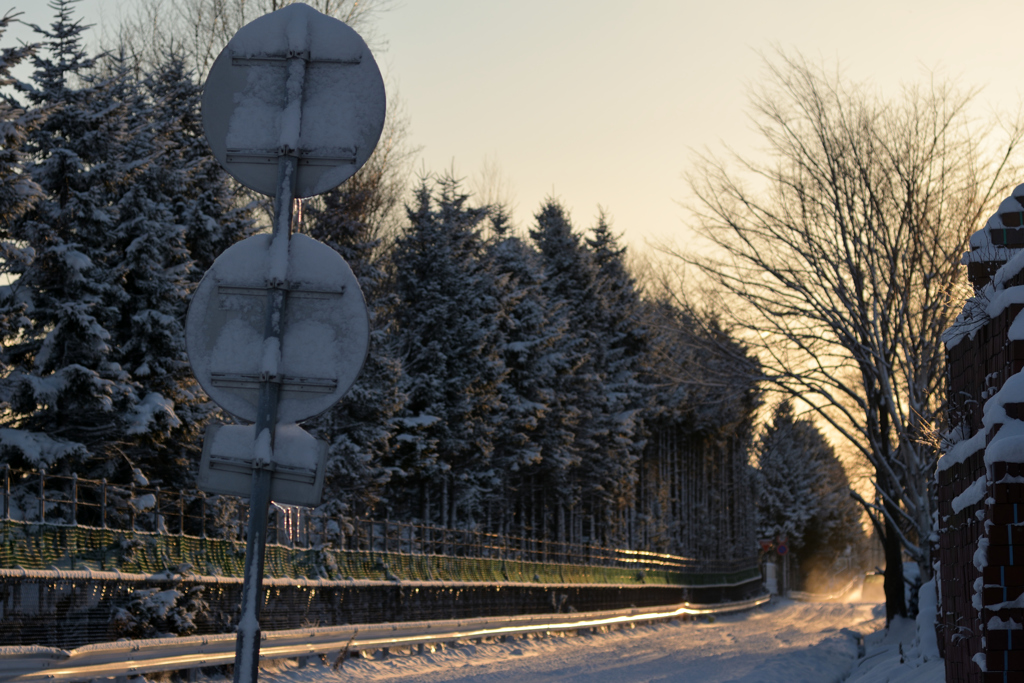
x=201, y=28
x=843, y=265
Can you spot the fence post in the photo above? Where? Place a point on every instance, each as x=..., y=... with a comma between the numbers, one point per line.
x=103, y=503
x=131, y=506
x=7, y=491
x=181, y=513
x=42, y=496
x=156, y=511
x=74, y=499
x=202, y=512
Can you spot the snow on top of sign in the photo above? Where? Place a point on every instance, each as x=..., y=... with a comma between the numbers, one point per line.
x=298, y=16
x=293, y=446
x=291, y=117
x=271, y=356
x=324, y=107
x=298, y=27
x=278, y=253
x=262, y=453
x=325, y=333
x=298, y=42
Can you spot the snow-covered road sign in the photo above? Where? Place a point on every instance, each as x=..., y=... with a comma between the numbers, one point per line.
x=326, y=329
x=298, y=463
x=277, y=330
x=294, y=82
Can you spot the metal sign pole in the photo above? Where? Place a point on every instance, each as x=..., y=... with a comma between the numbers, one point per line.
x=247, y=646
x=317, y=137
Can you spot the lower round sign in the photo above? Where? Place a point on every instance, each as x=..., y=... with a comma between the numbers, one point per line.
x=782, y=549
x=325, y=335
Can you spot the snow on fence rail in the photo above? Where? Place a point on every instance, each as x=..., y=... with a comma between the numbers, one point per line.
x=132, y=657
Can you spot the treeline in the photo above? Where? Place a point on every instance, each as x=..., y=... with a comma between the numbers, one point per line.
x=517, y=381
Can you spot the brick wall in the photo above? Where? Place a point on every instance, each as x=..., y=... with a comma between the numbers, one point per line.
x=978, y=367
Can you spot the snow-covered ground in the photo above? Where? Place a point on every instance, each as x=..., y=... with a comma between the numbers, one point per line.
x=784, y=641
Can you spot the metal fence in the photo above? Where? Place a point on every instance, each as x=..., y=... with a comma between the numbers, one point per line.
x=54, y=500
x=57, y=532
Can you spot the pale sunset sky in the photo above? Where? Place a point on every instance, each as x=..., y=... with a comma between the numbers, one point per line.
x=603, y=103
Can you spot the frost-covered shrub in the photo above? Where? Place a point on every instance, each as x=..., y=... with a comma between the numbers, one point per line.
x=155, y=613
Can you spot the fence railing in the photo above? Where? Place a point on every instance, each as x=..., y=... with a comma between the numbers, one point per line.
x=69, y=500
x=23, y=664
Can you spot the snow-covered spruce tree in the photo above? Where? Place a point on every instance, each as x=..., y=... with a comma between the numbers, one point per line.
x=622, y=345
x=694, y=478
x=787, y=477
x=206, y=201
x=360, y=428
x=803, y=492
x=150, y=279
x=446, y=319
x=17, y=189
x=177, y=216
x=598, y=392
x=568, y=428
x=525, y=431
x=64, y=394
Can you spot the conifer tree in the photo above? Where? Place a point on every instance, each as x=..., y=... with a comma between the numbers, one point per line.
x=151, y=283
x=360, y=428
x=803, y=490
x=569, y=426
x=65, y=392
x=530, y=328
x=446, y=319
x=206, y=200
x=599, y=393
x=702, y=398
x=18, y=191
x=620, y=346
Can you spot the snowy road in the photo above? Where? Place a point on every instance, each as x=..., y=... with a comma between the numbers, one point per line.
x=784, y=641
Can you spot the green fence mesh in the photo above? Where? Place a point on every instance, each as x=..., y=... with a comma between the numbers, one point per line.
x=49, y=546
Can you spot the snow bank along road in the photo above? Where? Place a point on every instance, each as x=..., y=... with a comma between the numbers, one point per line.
x=782, y=641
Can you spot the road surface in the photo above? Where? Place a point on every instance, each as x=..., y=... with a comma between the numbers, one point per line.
x=784, y=641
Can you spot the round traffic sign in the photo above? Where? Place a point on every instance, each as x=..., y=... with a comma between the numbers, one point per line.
x=782, y=549
x=299, y=82
x=326, y=329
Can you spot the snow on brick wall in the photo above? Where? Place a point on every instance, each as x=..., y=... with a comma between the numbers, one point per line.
x=980, y=486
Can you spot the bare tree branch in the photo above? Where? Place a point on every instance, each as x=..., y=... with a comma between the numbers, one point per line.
x=843, y=267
